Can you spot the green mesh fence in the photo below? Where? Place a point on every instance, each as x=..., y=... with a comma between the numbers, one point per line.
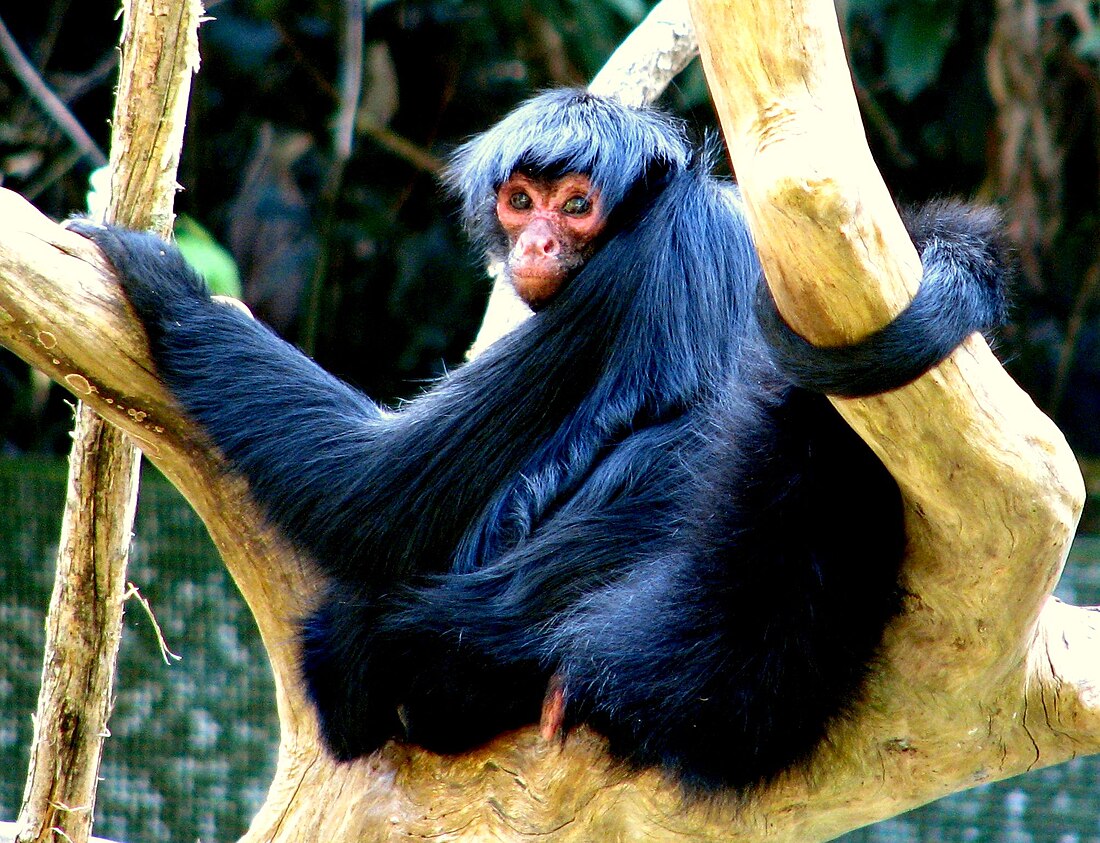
x=193, y=744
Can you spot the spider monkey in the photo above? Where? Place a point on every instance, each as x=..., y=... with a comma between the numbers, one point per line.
x=640, y=499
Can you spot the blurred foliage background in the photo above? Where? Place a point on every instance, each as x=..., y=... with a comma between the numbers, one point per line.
x=359, y=258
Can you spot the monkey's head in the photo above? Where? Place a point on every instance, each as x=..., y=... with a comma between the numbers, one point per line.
x=543, y=188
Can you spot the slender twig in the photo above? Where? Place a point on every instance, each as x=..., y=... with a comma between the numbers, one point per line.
x=165, y=652
x=53, y=173
x=46, y=43
x=77, y=85
x=402, y=147
x=47, y=100
x=84, y=622
x=1067, y=352
x=343, y=135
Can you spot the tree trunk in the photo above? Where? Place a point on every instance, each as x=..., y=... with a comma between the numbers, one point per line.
x=84, y=626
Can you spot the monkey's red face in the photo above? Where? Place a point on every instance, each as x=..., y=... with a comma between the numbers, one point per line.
x=551, y=226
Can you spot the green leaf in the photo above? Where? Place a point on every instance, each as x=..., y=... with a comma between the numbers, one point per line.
x=917, y=38
x=268, y=9
x=209, y=258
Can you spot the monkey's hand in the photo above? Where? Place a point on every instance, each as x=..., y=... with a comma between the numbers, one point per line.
x=160, y=285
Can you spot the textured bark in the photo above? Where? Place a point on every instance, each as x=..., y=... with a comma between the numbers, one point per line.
x=983, y=675
x=84, y=626
x=8, y=831
x=83, y=630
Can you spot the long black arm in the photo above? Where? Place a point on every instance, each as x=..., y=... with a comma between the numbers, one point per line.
x=275, y=415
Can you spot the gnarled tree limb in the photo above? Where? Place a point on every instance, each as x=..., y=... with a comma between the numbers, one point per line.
x=983, y=675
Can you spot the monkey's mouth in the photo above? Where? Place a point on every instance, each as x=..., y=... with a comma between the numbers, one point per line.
x=537, y=285
x=551, y=273
x=554, y=269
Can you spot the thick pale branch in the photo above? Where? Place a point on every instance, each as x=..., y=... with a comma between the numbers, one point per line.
x=1063, y=671
x=978, y=682
x=993, y=490
x=61, y=311
x=643, y=65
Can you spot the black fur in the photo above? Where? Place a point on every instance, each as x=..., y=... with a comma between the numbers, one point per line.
x=632, y=491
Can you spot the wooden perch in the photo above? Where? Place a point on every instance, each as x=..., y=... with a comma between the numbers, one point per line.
x=159, y=52
x=983, y=676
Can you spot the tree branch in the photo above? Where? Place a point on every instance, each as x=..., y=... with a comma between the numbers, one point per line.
x=47, y=100
x=84, y=624
x=651, y=57
x=983, y=675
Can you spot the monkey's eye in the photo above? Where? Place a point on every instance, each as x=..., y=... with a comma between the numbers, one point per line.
x=520, y=201
x=577, y=206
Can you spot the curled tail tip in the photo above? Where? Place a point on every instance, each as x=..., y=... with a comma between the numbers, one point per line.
x=978, y=227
